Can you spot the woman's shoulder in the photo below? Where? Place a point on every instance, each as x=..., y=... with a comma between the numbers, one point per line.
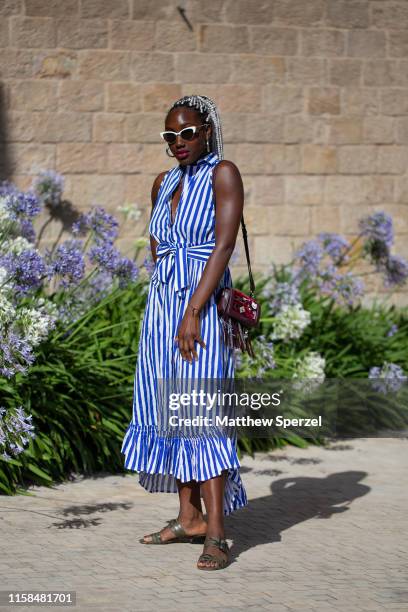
x=156, y=185
x=226, y=170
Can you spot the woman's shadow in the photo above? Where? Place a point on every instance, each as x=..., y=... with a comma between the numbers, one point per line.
x=292, y=501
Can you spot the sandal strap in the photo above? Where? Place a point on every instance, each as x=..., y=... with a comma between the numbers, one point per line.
x=207, y=557
x=220, y=543
x=177, y=528
x=156, y=537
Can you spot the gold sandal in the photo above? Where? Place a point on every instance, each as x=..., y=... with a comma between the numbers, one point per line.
x=179, y=532
x=220, y=543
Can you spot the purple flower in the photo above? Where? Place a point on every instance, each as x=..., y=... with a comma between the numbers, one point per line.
x=126, y=271
x=392, y=331
x=378, y=226
x=388, y=377
x=344, y=288
x=395, y=271
x=7, y=188
x=27, y=230
x=105, y=256
x=310, y=256
x=149, y=264
x=68, y=263
x=23, y=205
x=284, y=293
x=26, y=270
x=103, y=225
x=49, y=186
x=14, y=349
x=334, y=245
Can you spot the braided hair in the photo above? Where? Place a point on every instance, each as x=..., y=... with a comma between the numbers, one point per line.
x=209, y=114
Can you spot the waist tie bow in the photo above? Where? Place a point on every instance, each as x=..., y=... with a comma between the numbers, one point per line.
x=173, y=258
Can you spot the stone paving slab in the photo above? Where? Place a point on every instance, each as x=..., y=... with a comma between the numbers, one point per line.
x=325, y=530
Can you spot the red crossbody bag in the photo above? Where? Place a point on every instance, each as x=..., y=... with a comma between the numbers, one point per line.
x=239, y=312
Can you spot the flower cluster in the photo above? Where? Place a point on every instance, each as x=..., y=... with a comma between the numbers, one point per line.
x=388, y=377
x=290, y=322
x=15, y=431
x=49, y=187
x=309, y=371
x=378, y=232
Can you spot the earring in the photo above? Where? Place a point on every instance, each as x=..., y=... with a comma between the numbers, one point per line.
x=167, y=151
x=208, y=146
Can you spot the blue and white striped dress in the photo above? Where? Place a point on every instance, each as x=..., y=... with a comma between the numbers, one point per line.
x=183, y=249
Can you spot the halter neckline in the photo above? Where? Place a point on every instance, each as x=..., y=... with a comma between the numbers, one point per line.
x=210, y=158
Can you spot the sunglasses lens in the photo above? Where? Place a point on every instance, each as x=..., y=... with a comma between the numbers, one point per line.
x=169, y=137
x=187, y=133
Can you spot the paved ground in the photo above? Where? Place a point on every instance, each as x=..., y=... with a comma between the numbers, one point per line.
x=326, y=529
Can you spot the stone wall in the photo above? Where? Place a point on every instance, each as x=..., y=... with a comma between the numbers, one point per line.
x=313, y=95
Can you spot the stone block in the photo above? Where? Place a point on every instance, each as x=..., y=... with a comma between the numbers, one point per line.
x=392, y=159
x=132, y=35
x=202, y=68
x=366, y=43
x=299, y=13
x=79, y=158
x=171, y=36
x=393, y=101
x=158, y=97
x=144, y=127
x=124, y=158
x=325, y=219
x=382, y=73
x=345, y=72
x=257, y=69
x=57, y=64
x=268, y=190
x=123, y=97
x=51, y=8
x=322, y=100
x=248, y=11
x=305, y=71
x=31, y=95
x=397, y=43
x=357, y=159
x=11, y=7
x=360, y=101
x=274, y=41
x=348, y=14
x=65, y=127
x=304, y=190
x=33, y=32
x=380, y=130
x=319, y=159
x=108, y=127
x=75, y=33
x=16, y=64
x=282, y=99
x=104, y=65
x=30, y=158
x=392, y=15
x=282, y=159
x=152, y=67
x=154, y=10
x=217, y=38
x=345, y=130
x=100, y=8
x=322, y=43
x=81, y=95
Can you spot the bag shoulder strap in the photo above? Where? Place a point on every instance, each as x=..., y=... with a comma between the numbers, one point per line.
x=245, y=237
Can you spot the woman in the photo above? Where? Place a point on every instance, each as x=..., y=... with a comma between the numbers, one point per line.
x=192, y=241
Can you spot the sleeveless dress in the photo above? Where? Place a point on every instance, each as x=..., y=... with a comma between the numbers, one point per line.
x=183, y=249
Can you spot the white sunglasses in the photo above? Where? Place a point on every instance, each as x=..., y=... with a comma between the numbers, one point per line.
x=187, y=133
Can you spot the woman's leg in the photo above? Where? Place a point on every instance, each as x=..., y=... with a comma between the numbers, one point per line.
x=190, y=513
x=213, y=493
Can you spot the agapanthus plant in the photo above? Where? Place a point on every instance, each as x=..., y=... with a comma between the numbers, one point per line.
x=387, y=378
x=15, y=431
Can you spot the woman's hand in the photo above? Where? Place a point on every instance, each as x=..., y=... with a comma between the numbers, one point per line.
x=188, y=333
